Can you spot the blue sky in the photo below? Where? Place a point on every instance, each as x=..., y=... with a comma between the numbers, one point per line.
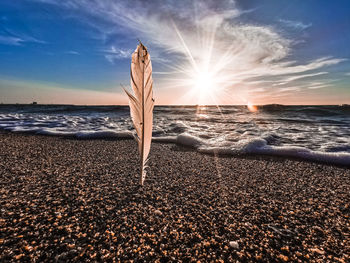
x=206, y=52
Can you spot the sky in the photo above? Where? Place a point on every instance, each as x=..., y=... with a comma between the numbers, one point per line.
x=203, y=52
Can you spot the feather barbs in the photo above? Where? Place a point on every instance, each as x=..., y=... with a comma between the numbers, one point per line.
x=142, y=103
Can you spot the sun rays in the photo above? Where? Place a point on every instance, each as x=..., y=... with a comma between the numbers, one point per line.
x=214, y=60
x=201, y=76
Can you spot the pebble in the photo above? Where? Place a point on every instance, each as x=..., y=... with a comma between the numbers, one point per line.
x=318, y=251
x=234, y=244
x=158, y=213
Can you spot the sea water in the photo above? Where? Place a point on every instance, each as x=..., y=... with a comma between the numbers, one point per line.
x=320, y=133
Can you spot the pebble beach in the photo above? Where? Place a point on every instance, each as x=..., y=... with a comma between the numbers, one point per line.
x=70, y=200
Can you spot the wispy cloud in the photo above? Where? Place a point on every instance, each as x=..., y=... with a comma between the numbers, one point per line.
x=205, y=37
x=293, y=78
x=318, y=85
x=18, y=41
x=115, y=53
x=72, y=52
x=288, y=89
x=295, y=24
x=9, y=37
x=13, y=41
x=304, y=86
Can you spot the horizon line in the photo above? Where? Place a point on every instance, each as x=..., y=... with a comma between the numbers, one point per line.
x=165, y=105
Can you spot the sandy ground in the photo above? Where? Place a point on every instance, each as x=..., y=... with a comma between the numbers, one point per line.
x=79, y=200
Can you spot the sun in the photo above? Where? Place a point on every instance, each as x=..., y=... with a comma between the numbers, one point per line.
x=204, y=87
x=203, y=83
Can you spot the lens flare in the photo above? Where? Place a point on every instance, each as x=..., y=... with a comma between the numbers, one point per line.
x=251, y=107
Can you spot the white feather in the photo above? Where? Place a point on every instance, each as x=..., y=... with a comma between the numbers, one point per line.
x=142, y=103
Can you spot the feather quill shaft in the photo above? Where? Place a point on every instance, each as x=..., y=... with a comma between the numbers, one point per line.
x=142, y=103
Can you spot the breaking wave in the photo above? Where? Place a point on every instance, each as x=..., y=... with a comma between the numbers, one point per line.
x=316, y=133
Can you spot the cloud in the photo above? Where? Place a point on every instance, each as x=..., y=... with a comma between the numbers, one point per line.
x=288, y=89
x=305, y=86
x=9, y=37
x=18, y=41
x=318, y=85
x=72, y=52
x=206, y=37
x=293, y=78
x=13, y=41
x=115, y=53
x=295, y=24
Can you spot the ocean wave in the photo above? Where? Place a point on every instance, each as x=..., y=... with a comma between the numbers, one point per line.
x=57, y=109
x=77, y=134
x=186, y=139
x=245, y=146
x=104, y=134
x=260, y=146
x=320, y=110
x=319, y=133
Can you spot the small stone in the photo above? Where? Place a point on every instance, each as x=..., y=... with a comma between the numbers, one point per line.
x=19, y=256
x=318, y=251
x=62, y=257
x=28, y=248
x=283, y=258
x=286, y=248
x=234, y=244
x=158, y=212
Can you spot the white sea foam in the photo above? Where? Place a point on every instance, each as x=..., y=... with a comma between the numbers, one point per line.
x=312, y=133
x=55, y=132
x=104, y=134
x=186, y=139
x=259, y=146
